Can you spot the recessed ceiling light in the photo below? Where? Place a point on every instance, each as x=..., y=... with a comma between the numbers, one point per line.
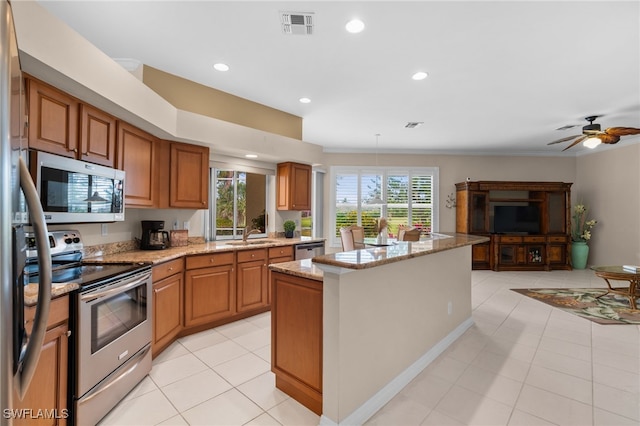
x=355, y=26
x=221, y=67
x=251, y=155
x=420, y=75
x=305, y=100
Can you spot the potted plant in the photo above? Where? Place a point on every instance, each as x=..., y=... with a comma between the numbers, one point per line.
x=289, y=227
x=580, y=236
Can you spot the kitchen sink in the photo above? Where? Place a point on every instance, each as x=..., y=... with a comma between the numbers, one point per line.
x=249, y=242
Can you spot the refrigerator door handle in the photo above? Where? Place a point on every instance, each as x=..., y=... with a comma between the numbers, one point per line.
x=36, y=215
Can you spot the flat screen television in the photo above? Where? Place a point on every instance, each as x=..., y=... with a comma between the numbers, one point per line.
x=516, y=219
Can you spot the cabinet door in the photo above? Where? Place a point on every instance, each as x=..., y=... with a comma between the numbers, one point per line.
x=557, y=213
x=48, y=389
x=301, y=187
x=293, y=188
x=189, y=186
x=478, y=212
x=53, y=120
x=252, y=292
x=480, y=256
x=97, y=136
x=167, y=310
x=287, y=258
x=136, y=156
x=209, y=294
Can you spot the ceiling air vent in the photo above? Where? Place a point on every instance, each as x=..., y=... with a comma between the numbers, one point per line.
x=297, y=23
x=413, y=124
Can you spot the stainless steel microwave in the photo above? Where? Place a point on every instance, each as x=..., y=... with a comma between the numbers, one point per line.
x=73, y=191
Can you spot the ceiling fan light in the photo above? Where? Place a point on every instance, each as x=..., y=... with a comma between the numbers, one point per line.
x=592, y=142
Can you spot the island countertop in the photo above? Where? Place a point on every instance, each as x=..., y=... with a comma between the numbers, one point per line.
x=300, y=268
x=376, y=256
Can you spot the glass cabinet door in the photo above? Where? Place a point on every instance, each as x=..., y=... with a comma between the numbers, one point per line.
x=478, y=212
x=556, y=213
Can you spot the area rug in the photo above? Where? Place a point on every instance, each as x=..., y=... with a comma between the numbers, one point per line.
x=609, y=309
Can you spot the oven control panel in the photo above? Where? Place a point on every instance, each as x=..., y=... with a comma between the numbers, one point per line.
x=59, y=242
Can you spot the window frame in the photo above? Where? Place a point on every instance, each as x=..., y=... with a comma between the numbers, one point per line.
x=434, y=172
x=213, y=206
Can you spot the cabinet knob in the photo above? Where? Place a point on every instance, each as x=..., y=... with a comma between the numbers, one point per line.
x=253, y=255
x=170, y=269
x=75, y=149
x=211, y=260
x=68, y=333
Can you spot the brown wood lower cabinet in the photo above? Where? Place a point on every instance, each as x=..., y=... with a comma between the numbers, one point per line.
x=296, y=338
x=251, y=284
x=168, y=303
x=48, y=389
x=210, y=289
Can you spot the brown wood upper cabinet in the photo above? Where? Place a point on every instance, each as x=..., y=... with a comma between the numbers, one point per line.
x=137, y=157
x=97, y=136
x=61, y=125
x=189, y=178
x=53, y=120
x=293, y=188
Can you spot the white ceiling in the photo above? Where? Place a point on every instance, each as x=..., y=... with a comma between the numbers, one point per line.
x=502, y=75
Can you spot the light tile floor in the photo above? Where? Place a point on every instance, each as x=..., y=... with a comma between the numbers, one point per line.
x=522, y=363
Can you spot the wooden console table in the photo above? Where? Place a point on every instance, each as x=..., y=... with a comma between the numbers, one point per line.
x=618, y=273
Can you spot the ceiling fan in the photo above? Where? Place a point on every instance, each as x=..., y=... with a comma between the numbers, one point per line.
x=592, y=133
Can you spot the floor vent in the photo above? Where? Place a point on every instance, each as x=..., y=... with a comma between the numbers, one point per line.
x=413, y=124
x=297, y=23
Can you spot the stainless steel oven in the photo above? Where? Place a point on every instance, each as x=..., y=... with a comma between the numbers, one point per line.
x=113, y=333
x=110, y=319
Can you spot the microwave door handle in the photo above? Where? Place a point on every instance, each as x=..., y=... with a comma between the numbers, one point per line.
x=34, y=345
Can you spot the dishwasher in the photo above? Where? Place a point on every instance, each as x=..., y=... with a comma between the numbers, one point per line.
x=309, y=250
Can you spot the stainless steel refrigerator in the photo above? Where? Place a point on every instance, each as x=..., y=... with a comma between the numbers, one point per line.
x=19, y=207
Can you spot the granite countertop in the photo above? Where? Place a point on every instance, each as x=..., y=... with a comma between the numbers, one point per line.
x=160, y=256
x=300, y=268
x=377, y=256
x=31, y=292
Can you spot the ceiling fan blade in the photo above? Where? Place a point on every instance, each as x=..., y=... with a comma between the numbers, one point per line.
x=607, y=138
x=568, y=138
x=577, y=141
x=622, y=131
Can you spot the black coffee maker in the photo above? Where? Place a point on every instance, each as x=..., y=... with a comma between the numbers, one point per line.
x=153, y=236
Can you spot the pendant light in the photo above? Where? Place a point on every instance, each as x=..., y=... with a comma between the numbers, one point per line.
x=377, y=199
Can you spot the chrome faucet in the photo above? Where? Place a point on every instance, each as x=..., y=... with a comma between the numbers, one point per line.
x=246, y=232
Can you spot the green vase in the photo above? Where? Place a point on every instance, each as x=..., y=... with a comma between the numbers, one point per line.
x=579, y=254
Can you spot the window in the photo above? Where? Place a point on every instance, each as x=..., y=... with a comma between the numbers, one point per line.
x=404, y=197
x=238, y=200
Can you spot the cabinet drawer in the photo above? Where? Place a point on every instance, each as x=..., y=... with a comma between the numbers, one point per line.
x=540, y=239
x=558, y=239
x=507, y=239
x=280, y=251
x=212, y=259
x=166, y=269
x=250, y=255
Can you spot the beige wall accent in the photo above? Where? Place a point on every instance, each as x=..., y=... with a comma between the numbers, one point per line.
x=191, y=96
x=608, y=182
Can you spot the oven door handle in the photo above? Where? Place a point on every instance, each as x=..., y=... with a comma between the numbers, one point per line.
x=114, y=290
x=115, y=378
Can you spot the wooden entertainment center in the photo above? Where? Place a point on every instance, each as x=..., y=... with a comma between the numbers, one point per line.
x=528, y=223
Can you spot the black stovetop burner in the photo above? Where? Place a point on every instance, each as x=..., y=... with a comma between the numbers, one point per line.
x=66, y=261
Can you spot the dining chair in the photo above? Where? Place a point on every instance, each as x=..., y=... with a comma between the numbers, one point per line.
x=352, y=237
x=409, y=234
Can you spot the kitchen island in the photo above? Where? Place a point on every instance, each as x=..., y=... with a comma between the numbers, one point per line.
x=384, y=314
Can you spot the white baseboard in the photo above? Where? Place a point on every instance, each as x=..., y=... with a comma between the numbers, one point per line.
x=391, y=389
